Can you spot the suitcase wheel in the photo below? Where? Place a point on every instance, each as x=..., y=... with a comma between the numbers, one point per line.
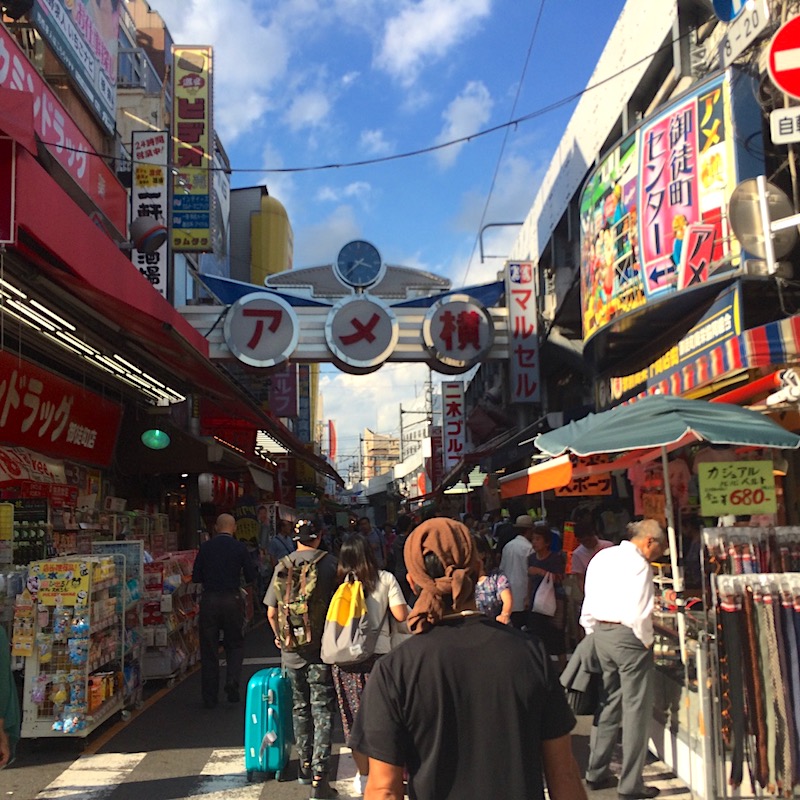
x=279, y=775
x=249, y=776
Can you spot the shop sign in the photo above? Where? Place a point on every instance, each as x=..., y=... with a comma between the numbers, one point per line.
x=737, y=487
x=454, y=433
x=7, y=171
x=457, y=332
x=283, y=393
x=192, y=148
x=149, y=199
x=48, y=414
x=64, y=583
x=434, y=465
x=361, y=332
x=60, y=136
x=523, y=333
x=84, y=37
x=261, y=329
x=653, y=214
x=654, y=506
x=303, y=424
x=707, y=351
x=589, y=485
x=287, y=479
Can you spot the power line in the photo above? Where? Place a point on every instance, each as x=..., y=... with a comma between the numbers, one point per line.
x=409, y=153
x=505, y=138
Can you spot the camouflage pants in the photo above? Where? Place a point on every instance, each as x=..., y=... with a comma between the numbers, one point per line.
x=313, y=707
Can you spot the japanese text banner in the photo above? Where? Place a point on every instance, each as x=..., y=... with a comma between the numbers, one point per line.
x=43, y=412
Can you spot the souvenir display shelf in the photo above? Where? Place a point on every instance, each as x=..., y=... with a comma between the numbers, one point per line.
x=170, y=615
x=68, y=627
x=130, y=606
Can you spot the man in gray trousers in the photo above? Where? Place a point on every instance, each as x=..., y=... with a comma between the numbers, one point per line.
x=617, y=612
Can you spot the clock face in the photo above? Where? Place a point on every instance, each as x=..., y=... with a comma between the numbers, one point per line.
x=359, y=264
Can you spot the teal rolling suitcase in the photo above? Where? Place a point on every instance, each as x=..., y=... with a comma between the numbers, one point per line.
x=268, y=733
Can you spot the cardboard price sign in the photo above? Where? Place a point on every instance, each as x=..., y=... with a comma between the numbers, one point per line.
x=737, y=487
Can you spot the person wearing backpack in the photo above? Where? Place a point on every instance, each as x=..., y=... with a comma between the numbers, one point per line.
x=383, y=597
x=297, y=601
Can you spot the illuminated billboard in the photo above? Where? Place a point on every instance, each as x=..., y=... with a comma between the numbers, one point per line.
x=653, y=213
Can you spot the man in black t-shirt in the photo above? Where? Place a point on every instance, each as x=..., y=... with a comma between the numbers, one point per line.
x=428, y=706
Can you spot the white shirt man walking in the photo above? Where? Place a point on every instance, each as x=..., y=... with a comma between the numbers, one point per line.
x=617, y=613
x=514, y=564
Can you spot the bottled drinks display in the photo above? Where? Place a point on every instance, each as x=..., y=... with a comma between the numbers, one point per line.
x=32, y=542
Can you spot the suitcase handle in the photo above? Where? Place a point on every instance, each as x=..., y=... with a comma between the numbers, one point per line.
x=271, y=735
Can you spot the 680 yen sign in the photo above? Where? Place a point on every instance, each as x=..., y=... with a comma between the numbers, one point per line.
x=737, y=487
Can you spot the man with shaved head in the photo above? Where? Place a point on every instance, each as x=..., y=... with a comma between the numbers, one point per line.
x=219, y=567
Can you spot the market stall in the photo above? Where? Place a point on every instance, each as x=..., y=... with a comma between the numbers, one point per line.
x=694, y=690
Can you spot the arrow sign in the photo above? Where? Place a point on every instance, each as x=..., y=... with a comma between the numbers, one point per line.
x=783, y=62
x=728, y=10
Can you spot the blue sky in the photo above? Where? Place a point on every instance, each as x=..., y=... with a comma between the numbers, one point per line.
x=301, y=83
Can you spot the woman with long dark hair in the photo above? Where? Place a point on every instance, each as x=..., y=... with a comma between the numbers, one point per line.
x=384, y=596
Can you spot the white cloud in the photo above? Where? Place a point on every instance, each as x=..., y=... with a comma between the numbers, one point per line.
x=350, y=77
x=465, y=115
x=242, y=86
x=318, y=244
x=374, y=143
x=425, y=32
x=308, y=110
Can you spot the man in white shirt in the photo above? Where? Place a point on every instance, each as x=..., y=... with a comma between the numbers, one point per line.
x=617, y=612
x=514, y=565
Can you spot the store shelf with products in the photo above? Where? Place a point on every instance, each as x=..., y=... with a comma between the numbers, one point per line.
x=170, y=615
x=67, y=627
x=129, y=606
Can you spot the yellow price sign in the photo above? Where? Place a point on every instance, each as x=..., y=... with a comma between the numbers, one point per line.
x=737, y=487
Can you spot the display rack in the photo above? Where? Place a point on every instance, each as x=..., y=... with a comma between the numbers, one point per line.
x=73, y=672
x=170, y=615
x=129, y=598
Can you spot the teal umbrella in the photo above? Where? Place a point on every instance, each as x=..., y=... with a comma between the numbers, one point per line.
x=665, y=423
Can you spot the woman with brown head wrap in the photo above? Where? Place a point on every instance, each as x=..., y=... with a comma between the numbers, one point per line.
x=442, y=565
x=433, y=705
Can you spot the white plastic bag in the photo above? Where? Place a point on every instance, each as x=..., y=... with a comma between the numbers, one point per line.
x=544, y=601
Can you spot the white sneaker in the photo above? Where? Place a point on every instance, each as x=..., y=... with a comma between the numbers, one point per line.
x=360, y=784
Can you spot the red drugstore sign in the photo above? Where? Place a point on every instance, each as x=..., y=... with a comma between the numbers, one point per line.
x=61, y=136
x=523, y=333
x=455, y=423
x=43, y=412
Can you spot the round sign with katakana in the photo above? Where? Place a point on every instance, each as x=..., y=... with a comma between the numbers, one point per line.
x=361, y=332
x=261, y=329
x=458, y=332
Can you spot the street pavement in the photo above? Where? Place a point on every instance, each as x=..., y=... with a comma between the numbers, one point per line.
x=175, y=749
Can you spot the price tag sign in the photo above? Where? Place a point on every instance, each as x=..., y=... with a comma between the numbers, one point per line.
x=737, y=487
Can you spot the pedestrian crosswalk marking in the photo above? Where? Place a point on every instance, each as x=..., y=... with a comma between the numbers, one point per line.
x=224, y=777
x=92, y=777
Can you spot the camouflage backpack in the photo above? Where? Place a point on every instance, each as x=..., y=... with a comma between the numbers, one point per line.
x=301, y=609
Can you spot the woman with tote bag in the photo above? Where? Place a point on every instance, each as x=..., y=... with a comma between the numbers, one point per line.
x=384, y=598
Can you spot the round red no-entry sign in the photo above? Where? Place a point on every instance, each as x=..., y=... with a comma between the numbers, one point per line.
x=784, y=58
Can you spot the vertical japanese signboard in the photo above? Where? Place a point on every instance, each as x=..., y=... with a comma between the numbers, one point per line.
x=283, y=391
x=84, y=37
x=149, y=199
x=523, y=332
x=454, y=431
x=192, y=148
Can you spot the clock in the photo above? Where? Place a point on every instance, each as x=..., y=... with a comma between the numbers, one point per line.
x=359, y=264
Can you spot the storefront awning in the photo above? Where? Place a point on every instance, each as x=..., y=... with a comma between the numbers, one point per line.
x=552, y=474
x=87, y=266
